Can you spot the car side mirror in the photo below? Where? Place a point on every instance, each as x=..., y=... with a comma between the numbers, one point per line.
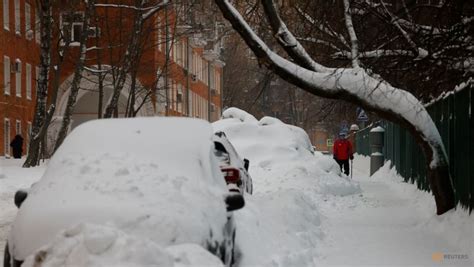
x=234, y=201
x=246, y=164
x=20, y=196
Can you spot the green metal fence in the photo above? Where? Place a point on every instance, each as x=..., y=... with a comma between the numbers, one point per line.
x=453, y=117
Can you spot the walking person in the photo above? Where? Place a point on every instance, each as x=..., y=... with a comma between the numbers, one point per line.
x=17, y=146
x=342, y=152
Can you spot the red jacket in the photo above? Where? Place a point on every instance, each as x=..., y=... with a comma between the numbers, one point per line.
x=342, y=149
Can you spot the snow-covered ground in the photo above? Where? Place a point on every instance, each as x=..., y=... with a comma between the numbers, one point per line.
x=12, y=178
x=391, y=223
x=302, y=212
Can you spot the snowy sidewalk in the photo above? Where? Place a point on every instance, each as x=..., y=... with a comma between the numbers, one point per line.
x=391, y=224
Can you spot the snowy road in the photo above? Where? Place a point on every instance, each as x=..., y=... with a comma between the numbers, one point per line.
x=389, y=224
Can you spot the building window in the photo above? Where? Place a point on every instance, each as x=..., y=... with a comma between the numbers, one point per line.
x=212, y=82
x=6, y=14
x=179, y=98
x=6, y=137
x=17, y=17
x=71, y=25
x=158, y=32
x=218, y=82
x=28, y=81
x=18, y=127
x=28, y=32
x=18, y=68
x=6, y=75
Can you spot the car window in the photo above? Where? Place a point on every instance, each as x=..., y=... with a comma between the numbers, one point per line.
x=221, y=153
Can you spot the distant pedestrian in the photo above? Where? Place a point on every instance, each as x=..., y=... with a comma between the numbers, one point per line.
x=17, y=146
x=342, y=152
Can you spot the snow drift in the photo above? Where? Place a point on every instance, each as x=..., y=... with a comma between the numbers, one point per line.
x=99, y=245
x=280, y=224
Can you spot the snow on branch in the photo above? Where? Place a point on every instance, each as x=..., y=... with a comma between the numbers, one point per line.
x=422, y=53
x=352, y=34
x=318, y=41
x=148, y=11
x=376, y=53
x=353, y=85
x=288, y=41
x=154, y=9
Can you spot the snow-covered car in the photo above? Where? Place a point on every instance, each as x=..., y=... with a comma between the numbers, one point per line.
x=235, y=169
x=151, y=178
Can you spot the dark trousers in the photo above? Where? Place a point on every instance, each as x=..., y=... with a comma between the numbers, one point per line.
x=343, y=163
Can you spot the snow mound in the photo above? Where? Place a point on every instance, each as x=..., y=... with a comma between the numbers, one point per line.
x=280, y=224
x=238, y=114
x=141, y=187
x=97, y=245
x=284, y=154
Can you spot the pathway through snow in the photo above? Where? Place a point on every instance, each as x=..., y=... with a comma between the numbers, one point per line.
x=390, y=223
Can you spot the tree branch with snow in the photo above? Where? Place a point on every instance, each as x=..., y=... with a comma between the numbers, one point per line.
x=358, y=87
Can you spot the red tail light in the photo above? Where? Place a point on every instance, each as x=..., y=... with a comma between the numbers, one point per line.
x=231, y=175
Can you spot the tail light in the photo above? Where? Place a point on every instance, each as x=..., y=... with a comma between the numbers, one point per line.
x=231, y=175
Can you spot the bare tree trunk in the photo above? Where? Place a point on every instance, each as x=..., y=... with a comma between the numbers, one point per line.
x=71, y=103
x=130, y=110
x=40, y=123
x=354, y=86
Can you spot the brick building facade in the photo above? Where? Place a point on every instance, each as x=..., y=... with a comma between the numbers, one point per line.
x=179, y=71
x=19, y=53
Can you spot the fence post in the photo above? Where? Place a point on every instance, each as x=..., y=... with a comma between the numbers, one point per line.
x=376, y=146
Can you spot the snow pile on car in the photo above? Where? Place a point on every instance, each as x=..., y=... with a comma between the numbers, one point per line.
x=282, y=152
x=141, y=175
x=280, y=224
x=99, y=245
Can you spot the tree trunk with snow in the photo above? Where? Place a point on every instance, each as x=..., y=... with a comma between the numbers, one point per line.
x=352, y=85
x=40, y=122
x=75, y=85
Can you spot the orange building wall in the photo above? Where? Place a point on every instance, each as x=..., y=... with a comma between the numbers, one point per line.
x=15, y=47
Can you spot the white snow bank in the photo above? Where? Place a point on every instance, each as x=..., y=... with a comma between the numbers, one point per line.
x=279, y=225
x=12, y=178
x=96, y=245
x=284, y=153
x=279, y=229
x=236, y=113
x=456, y=226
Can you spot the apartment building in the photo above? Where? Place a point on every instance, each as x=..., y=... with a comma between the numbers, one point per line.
x=179, y=72
x=19, y=52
